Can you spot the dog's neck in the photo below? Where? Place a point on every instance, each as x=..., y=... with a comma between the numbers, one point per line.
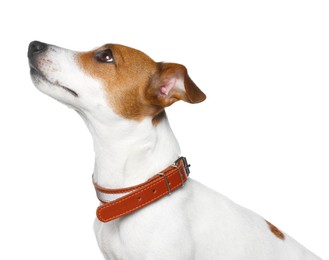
x=129, y=152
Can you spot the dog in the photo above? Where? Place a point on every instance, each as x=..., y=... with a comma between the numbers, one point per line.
x=121, y=94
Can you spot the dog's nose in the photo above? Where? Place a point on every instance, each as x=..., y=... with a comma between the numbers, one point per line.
x=35, y=48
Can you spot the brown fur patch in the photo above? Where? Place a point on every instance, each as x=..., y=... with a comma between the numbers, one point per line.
x=133, y=81
x=277, y=232
x=124, y=81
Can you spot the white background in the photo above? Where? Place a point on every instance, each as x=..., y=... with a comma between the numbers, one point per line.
x=260, y=138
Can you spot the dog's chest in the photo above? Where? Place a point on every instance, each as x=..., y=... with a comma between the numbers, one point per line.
x=149, y=232
x=109, y=240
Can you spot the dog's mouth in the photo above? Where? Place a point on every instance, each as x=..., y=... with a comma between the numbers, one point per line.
x=36, y=73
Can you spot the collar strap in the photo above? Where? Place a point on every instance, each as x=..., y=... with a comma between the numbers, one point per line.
x=131, y=199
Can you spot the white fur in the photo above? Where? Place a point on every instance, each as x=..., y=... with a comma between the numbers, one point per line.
x=195, y=222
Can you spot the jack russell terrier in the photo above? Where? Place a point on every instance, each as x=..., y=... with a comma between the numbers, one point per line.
x=121, y=94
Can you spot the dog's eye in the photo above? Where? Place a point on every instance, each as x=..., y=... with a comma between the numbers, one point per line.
x=105, y=56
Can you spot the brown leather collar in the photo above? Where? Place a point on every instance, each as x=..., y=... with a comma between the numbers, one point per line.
x=133, y=198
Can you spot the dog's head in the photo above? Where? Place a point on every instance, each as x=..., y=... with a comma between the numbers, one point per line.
x=112, y=79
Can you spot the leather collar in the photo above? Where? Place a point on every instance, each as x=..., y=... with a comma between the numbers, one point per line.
x=131, y=199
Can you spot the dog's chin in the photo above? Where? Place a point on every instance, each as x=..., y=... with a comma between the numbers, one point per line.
x=40, y=81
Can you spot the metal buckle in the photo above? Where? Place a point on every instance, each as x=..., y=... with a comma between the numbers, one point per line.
x=167, y=182
x=186, y=165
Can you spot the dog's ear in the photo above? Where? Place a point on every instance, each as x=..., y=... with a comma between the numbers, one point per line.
x=172, y=83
